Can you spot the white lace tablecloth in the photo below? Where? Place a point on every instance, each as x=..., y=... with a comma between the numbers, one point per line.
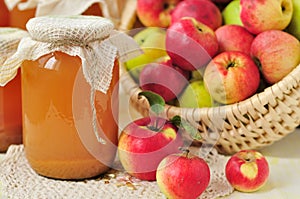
x=19, y=181
x=283, y=183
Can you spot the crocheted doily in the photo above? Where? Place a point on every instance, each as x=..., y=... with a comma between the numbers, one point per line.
x=19, y=181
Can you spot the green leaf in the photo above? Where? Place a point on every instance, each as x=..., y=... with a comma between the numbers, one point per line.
x=157, y=103
x=181, y=123
x=176, y=120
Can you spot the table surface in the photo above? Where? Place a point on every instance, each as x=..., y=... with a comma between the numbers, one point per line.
x=283, y=157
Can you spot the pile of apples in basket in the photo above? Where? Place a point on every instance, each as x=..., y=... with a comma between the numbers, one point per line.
x=217, y=51
x=205, y=53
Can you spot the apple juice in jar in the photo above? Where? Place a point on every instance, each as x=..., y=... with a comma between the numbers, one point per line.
x=19, y=17
x=70, y=78
x=20, y=11
x=10, y=92
x=4, y=14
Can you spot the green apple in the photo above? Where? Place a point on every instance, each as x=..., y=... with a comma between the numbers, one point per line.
x=231, y=13
x=152, y=42
x=196, y=75
x=294, y=26
x=195, y=95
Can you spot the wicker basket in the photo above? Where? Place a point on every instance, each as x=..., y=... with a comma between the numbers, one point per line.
x=254, y=123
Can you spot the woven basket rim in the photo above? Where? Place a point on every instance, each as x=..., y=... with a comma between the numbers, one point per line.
x=253, y=123
x=264, y=97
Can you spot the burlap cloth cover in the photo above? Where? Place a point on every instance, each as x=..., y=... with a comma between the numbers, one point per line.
x=9, y=41
x=19, y=181
x=77, y=36
x=91, y=38
x=111, y=9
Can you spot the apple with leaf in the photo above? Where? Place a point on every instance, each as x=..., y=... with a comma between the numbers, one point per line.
x=144, y=142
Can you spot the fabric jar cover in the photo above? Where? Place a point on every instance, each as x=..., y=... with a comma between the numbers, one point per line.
x=91, y=38
x=111, y=9
x=9, y=41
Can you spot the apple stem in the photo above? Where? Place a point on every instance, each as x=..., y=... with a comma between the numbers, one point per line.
x=231, y=64
x=154, y=124
x=199, y=29
x=185, y=150
x=248, y=157
x=282, y=7
x=166, y=6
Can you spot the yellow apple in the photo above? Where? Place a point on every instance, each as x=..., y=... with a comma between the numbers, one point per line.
x=152, y=42
x=231, y=13
x=196, y=75
x=294, y=26
x=258, y=16
x=195, y=95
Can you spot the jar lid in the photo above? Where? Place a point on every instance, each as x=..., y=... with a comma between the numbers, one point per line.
x=111, y=9
x=70, y=30
x=9, y=41
x=91, y=38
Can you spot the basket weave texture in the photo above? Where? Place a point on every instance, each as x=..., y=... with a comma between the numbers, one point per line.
x=254, y=123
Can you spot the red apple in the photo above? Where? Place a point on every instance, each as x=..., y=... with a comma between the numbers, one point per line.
x=277, y=53
x=202, y=10
x=261, y=15
x=144, y=143
x=164, y=78
x=183, y=176
x=247, y=170
x=155, y=12
x=191, y=44
x=221, y=1
x=234, y=38
x=231, y=77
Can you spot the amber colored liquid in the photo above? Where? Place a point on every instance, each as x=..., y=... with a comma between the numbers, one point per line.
x=4, y=14
x=10, y=114
x=94, y=9
x=52, y=144
x=19, y=18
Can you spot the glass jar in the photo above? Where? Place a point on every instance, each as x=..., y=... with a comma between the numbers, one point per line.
x=19, y=17
x=52, y=144
x=10, y=93
x=4, y=14
x=69, y=74
x=10, y=114
x=94, y=9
